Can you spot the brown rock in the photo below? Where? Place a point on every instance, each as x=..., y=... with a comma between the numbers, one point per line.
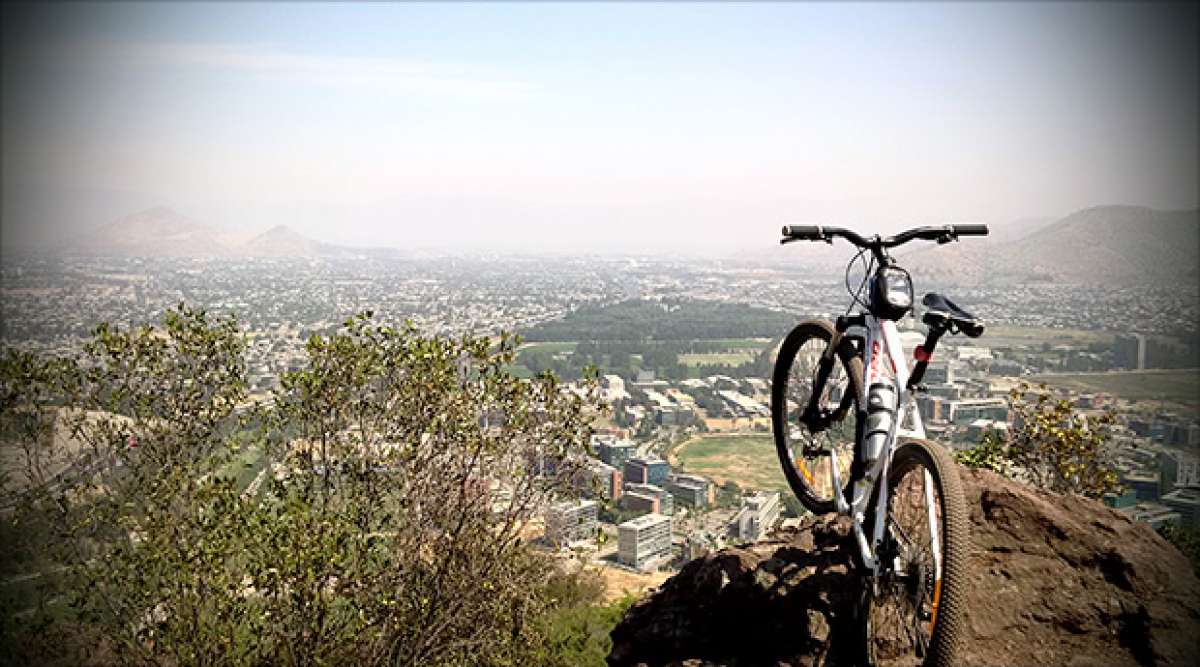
x=1056, y=580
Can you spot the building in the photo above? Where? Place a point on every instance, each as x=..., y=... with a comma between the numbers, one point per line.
x=1152, y=513
x=673, y=415
x=1129, y=351
x=614, y=452
x=1120, y=501
x=689, y=490
x=608, y=479
x=1185, y=434
x=1178, y=470
x=1145, y=486
x=743, y=405
x=974, y=353
x=981, y=427
x=930, y=407
x=1139, y=426
x=1006, y=368
x=948, y=392
x=1185, y=501
x=757, y=517
x=963, y=412
x=645, y=541
x=572, y=521
x=641, y=503
x=612, y=388
x=663, y=502
x=759, y=386
x=646, y=471
x=938, y=372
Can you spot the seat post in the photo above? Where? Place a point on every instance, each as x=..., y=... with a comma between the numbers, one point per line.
x=924, y=353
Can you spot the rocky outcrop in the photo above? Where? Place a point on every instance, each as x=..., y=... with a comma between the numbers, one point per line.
x=1056, y=580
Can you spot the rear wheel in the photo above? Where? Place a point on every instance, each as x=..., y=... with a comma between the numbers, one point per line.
x=804, y=452
x=917, y=610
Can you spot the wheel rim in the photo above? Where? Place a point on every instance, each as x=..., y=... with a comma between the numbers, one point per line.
x=903, y=613
x=814, y=469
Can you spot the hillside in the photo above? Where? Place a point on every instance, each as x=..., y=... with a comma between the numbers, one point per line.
x=155, y=232
x=283, y=241
x=1119, y=244
x=1055, y=580
x=163, y=232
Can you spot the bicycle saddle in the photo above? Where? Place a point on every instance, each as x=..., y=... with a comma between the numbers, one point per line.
x=940, y=311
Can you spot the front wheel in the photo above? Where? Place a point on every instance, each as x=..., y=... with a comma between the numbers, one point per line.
x=917, y=609
x=804, y=451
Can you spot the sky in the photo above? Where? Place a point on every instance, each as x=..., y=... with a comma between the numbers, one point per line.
x=591, y=127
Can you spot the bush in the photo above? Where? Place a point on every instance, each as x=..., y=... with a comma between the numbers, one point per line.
x=1054, y=446
x=576, y=632
x=386, y=526
x=1187, y=540
x=991, y=453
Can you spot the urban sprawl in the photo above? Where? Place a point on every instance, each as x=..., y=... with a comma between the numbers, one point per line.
x=641, y=507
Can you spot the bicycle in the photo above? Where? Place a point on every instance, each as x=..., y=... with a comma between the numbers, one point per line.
x=912, y=532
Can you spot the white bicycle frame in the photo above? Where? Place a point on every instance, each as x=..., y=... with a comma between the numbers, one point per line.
x=882, y=346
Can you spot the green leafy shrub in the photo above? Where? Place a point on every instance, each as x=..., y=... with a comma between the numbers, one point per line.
x=1187, y=540
x=1052, y=444
x=990, y=453
x=386, y=525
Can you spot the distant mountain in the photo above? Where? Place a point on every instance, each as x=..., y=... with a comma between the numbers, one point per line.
x=283, y=241
x=1015, y=230
x=162, y=232
x=1117, y=244
x=1126, y=244
x=972, y=259
x=155, y=232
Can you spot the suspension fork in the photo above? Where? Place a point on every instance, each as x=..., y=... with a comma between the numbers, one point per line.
x=812, y=416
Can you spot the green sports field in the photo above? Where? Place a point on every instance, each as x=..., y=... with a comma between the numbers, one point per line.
x=749, y=460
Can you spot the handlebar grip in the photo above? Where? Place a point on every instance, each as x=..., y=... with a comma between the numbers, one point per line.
x=804, y=232
x=970, y=230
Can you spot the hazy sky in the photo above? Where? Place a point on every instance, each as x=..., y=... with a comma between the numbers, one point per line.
x=592, y=126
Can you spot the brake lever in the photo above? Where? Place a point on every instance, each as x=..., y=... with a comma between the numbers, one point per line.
x=947, y=238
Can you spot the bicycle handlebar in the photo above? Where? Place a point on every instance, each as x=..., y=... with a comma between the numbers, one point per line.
x=941, y=234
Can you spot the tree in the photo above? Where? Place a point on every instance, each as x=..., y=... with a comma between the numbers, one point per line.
x=1186, y=539
x=385, y=528
x=1053, y=445
x=729, y=495
x=646, y=427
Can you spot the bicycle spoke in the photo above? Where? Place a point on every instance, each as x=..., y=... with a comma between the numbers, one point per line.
x=906, y=611
x=809, y=452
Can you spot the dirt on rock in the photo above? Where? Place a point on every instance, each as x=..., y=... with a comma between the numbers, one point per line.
x=1055, y=580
